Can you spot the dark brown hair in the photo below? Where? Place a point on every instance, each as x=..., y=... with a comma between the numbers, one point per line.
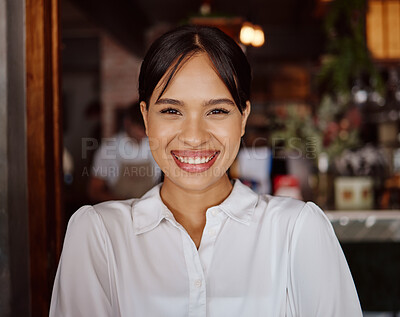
x=173, y=48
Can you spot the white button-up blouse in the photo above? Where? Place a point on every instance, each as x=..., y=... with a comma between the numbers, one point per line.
x=259, y=256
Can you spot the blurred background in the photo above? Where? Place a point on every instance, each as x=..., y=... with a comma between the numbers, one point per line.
x=325, y=123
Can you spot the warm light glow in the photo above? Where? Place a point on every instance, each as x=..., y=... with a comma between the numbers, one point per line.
x=383, y=28
x=246, y=33
x=258, y=39
x=393, y=29
x=252, y=35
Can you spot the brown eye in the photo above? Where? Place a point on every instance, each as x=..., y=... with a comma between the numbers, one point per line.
x=170, y=111
x=219, y=111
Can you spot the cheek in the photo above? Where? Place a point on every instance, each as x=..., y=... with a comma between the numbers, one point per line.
x=230, y=136
x=160, y=134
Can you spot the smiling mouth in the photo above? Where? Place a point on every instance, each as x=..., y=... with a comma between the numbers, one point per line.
x=195, y=161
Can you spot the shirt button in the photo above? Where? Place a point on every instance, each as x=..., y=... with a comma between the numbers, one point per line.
x=197, y=283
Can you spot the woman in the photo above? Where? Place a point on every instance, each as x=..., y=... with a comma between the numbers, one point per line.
x=199, y=244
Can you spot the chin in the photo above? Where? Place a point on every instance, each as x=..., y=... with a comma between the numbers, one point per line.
x=197, y=182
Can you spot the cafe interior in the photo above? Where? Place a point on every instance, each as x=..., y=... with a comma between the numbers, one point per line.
x=324, y=125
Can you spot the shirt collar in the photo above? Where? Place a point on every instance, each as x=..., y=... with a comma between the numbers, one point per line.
x=149, y=211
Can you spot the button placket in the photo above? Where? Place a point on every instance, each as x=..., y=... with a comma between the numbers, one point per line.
x=214, y=220
x=198, y=261
x=197, y=285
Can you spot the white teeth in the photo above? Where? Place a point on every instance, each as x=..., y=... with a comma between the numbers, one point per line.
x=194, y=160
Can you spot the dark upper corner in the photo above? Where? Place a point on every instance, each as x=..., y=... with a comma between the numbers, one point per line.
x=288, y=23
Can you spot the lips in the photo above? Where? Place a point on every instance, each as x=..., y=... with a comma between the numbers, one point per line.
x=195, y=161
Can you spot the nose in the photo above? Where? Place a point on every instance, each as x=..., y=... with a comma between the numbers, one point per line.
x=193, y=133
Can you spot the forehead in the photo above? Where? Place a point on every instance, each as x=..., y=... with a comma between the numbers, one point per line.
x=195, y=75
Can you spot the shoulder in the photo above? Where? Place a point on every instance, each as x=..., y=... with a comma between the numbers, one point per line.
x=280, y=208
x=304, y=223
x=312, y=215
x=116, y=213
x=279, y=202
x=292, y=214
x=291, y=208
x=85, y=218
x=115, y=207
x=101, y=217
x=313, y=224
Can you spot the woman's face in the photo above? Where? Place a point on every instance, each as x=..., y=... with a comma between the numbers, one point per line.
x=194, y=129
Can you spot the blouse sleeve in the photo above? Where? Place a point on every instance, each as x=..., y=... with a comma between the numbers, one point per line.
x=320, y=282
x=81, y=286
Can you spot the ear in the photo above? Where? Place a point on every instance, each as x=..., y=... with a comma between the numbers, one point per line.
x=245, y=115
x=145, y=114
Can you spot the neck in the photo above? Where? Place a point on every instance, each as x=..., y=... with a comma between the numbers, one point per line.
x=189, y=206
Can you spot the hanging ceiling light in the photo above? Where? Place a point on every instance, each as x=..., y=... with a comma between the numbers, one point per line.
x=251, y=35
x=246, y=33
x=258, y=39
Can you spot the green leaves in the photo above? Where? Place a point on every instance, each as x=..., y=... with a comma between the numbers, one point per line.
x=347, y=55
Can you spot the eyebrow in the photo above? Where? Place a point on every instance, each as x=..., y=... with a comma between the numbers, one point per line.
x=211, y=102
x=169, y=101
x=214, y=102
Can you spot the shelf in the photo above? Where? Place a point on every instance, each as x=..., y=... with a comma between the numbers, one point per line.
x=363, y=226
